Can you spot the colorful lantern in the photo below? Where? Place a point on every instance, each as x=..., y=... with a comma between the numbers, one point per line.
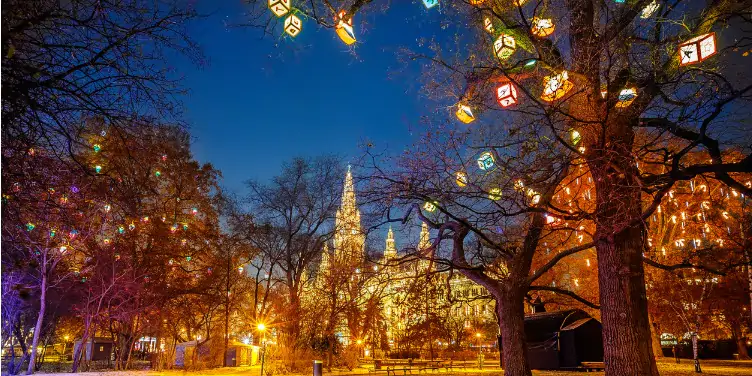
x=106, y=241
x=429, y=206
x=63, y=249
x=98, y=169
x=73, y=233
x=293, y=25
x=157, y=173
x=344, y=29
x=697, y=49
x=460, y=178
x=430, y=3
x=188, y=258
x=279, y=7
x=465, y=113
x=543, y=27
x=506, y=94
x=30, y=226
x=494, y=194
x=240, y=269
x=486, y=161
x=107, y=207
x=488, y=25
x=626, y=97
x=194, y=211
x=131, y=226
x=174, y=227
x=476, y=2
x=650, y=9
x=556, y=86
x=121, y=229
x=504, y=46
x=97, y=148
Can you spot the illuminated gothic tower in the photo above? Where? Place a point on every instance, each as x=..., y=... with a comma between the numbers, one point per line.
x=423, y=243
x=390, y=251
x=349, y=240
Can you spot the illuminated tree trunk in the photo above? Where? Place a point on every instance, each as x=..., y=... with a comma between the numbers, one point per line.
x=40, y=318
x=656, y=337
x=624, y=310
x=511, y=313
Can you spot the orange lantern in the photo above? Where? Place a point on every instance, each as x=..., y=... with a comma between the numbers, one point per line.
x=556, y=86
x=543, y=27
x=697, y=49
x=506, y=94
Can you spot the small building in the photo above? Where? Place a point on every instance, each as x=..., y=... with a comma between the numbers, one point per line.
x=97, y=348
x=238, y=354
x=562, y=339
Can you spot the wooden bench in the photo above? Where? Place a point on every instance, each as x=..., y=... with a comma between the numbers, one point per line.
x=593, y=366
x=394, y=370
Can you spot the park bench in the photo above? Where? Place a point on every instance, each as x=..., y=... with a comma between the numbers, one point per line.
x=593, y=366
x=395, y=370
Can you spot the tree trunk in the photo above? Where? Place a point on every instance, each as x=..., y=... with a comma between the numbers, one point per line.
x=741, y=348
x=77, y=353
x=512, y=324
x=655, y=335
x=620, y=243
x=40, y=319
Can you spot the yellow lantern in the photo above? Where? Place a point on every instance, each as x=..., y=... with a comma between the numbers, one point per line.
x=460, y=178
x=344, y=29
x=697, y=49
x=494, y=194
x=293, y=25
x=506, y=94
x=556, y=86
x=576, y=137
x=543, y=27
x=504, y=46
x=465, y=113
x=429, y=206
x=279, y=7
x=476, y=2
x=488, y=25
x=626, y=97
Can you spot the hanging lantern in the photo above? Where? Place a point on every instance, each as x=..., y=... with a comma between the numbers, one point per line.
x=488, y=25
x=543, y=27
x=650, y=9
x=97, y=148
x=52, y=233
x=506, y=94
x=145, y=219
x=279, y=7
x=194, y=211
x=240, y=269
x=63, y=249
x=576, y=137
x=465, y=113
x=476, y=2
x=494, y=194
x=185, y=227
x=626, y=97
x=106, y=241
x=174, y=227
x=73, y=233
x=556, y=86
x=131, y=226
x=98, y=169
x=293, y=25
x=697, y=49
x=188, y=258
x=486, y=161
x=460, y=178
x=121, y=229
x=117, y=257
x=504, y=46
x=157, y=173
x=107, y=208
x=430, y=3
x=344, y=29
x=170, y=261
x=429, y=206
x=183, y=242
x=209, y=271
x=30, y=226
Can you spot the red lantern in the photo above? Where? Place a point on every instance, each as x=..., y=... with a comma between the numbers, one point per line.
x=506, y=94
x=697, y=49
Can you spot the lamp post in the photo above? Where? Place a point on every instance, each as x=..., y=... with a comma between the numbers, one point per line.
x=65, y=345
x=480, y=355
x=262, y=328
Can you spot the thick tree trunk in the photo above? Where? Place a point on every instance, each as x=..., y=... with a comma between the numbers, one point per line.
x=512, y=324
x=78, y=352
x=741, y=348
x=40, y=319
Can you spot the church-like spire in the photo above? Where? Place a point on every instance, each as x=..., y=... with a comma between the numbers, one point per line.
x=324, y=259
x=424, y=242
x=348, y=192
x=349, y=240
x=391, y=249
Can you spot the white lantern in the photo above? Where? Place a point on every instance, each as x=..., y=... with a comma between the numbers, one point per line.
x=626, y=97
x=279, y=7
x=697, y=49
x=543, y=27
x=488, y=25
x=650, y=9
x=504, y=46
x=556, y=86
x=486, y=161
x=293, y=25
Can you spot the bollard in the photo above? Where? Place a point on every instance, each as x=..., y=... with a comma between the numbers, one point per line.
x=318, y=366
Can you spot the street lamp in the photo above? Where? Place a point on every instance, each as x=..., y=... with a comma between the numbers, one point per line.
x=480, y=355
x=262, y=328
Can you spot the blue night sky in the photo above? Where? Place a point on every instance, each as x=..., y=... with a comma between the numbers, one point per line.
x=262, y=100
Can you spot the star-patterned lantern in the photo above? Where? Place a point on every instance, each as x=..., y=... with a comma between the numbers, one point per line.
x=504, y=46
x=486, y=161
x=556, y=86
x=543, y=27
x=626, y=97
x=697, y=49
x=506, y=94
x=430, y=3
x=279, y=7
x=465, y=113
x=460, y=178
x=344, y=28
x=293, y=25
